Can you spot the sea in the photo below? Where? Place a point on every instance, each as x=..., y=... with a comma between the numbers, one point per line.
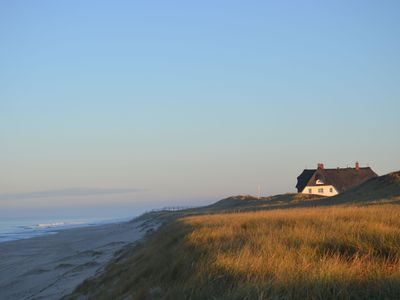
x=17, y=229
x=25, y=224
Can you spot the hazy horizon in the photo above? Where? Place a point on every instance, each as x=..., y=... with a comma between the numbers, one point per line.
x=120, y=105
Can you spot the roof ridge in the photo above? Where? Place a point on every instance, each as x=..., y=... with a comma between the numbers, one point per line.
x=340, y=168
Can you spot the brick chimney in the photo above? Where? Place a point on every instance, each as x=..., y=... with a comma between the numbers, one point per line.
x=357, y=166
x=320, y=166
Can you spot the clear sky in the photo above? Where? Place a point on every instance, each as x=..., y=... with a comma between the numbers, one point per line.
x=188, y=100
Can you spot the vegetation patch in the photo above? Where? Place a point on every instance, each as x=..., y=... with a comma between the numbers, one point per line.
x=314, y=253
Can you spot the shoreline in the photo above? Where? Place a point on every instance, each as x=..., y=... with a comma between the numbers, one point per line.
x=15, y=231
x=51, y=266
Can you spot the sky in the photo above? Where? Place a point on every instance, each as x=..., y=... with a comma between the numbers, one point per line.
x=124, y=103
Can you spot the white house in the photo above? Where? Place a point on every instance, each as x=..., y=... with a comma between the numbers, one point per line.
x=330, y=182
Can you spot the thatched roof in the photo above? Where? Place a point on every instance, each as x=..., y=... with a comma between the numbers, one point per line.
x=342, y=179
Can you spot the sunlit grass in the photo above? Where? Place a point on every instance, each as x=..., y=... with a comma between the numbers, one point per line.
x=314, y=253
x=324, y=245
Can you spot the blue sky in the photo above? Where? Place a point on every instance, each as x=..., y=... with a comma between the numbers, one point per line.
x=187, y=101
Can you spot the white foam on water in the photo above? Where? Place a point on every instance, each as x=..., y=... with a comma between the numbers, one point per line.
x=25, y=229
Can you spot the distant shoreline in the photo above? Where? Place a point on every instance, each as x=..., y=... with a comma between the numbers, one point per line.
x=31, y=228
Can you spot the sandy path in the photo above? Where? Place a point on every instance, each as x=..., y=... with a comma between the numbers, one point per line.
x=49, y=267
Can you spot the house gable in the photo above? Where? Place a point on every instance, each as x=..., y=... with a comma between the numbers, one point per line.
x=303, y=179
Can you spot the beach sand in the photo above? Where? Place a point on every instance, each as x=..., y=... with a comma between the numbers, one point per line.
x=52, y=266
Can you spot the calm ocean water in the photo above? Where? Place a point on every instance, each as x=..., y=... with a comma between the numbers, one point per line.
x=16, y=225
x=16, y=229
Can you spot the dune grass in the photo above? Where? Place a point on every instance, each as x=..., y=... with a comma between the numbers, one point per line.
x=348, y=252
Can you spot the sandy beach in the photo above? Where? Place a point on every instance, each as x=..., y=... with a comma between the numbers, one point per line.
x=52, y=266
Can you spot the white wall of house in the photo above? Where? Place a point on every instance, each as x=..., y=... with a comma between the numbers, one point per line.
x=323, y=190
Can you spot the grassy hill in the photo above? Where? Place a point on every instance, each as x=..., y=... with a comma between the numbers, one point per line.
x=380, y=189
x=288, y=246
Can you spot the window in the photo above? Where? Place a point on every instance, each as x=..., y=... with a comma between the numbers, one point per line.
x=319, y=181
x=310, y=191
x=331, y=190
x=321, y=191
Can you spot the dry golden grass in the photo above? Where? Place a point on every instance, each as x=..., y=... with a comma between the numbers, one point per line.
x=301, y=253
